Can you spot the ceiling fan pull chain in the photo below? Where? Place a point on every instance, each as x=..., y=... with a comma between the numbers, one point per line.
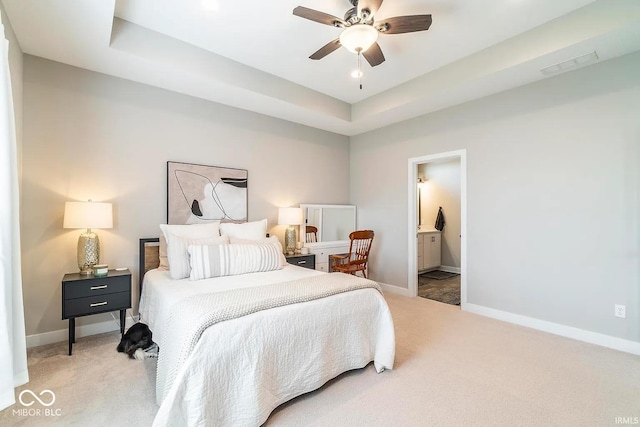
x=359, y=70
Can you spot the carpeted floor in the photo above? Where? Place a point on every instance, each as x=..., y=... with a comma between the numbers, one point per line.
x=96, y=386
x=440, y=286
x=452, y=368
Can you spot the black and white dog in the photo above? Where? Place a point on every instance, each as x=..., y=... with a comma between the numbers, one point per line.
x=137, y=342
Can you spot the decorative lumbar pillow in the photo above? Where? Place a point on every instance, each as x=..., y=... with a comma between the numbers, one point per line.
x=230, y=260
x=271, y=239
x=178, y=254
x=253, y=230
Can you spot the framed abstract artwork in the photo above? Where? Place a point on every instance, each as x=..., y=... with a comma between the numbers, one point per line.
x=198, y=194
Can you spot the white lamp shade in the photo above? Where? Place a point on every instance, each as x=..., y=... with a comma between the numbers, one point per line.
x=88, y=215
x=290, y=216
x=358, y=37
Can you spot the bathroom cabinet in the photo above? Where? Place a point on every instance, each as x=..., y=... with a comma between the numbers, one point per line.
x=429, y=249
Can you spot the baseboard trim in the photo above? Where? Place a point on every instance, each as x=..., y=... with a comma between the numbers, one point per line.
x=81, y=331
x=557, y=329
x=395, y=289
x=449, y=269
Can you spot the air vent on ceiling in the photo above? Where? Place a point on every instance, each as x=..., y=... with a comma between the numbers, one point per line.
x=576, y=62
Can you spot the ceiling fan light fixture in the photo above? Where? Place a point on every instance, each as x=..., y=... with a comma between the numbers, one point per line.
x=358, y=37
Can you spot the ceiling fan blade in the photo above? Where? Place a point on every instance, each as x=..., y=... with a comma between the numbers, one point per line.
x=374, y=55
x=371, y=5
x=317, y=16
x=404, y=24
x=326, y=49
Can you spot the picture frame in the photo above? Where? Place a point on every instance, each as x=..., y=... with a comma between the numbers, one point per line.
x=198, y=194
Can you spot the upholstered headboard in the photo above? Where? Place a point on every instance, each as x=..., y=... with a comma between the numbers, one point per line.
x=149, y=257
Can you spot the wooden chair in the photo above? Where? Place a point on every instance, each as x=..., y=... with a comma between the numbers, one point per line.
x=356, y=259
x=312, y=234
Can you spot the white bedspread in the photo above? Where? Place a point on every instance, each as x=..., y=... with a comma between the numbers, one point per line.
x=243, y=368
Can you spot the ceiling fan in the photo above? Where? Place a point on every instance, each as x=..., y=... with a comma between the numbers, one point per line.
x=361, y=30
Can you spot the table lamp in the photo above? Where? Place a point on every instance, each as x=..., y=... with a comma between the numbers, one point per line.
x=290, y=217
x=88, y=215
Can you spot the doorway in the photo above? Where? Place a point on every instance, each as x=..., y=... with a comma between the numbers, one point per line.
x=428, y=234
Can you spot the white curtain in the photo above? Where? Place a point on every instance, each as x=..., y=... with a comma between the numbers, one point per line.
x=13, y=351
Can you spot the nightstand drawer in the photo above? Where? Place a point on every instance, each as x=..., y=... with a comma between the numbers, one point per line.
x=96, y=286
x=96, y=304
x=307, y=261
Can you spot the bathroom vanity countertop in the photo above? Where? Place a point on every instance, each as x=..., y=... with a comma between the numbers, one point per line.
x=427, y=230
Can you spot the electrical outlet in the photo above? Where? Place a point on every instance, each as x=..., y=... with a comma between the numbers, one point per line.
x=620, y=311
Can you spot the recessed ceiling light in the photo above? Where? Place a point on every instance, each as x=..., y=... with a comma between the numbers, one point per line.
x=356, y=74
x=210, y=5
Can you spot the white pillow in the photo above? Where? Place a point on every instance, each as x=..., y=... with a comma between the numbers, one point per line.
x=254, y=230
x=271, y=239
x=210, y=229
x=193, y=231
x=230, y=260
x=162, y=254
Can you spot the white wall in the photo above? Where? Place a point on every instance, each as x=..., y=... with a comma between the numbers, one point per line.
x=553, y=195
x=442, y=189
x=88, y=135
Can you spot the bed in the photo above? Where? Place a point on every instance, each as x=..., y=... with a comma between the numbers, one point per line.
x=237, y=370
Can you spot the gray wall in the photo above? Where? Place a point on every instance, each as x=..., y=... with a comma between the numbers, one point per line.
x=88, y=135
x=553, y=173
x=553, y=195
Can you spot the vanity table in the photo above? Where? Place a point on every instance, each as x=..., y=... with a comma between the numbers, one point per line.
x=322, y=254
x=334, y=224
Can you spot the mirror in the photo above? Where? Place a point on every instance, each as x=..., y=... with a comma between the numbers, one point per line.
x=334, y=222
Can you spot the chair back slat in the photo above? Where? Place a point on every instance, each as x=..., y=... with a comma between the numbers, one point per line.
x=312, y=234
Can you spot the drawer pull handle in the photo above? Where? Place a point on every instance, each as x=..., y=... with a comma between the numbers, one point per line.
x=98, y=304
x=302, y=262
x=93, y=288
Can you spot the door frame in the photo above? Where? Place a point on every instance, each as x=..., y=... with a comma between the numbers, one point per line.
x=412, y=268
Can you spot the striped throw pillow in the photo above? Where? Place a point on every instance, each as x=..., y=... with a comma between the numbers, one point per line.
x=229, y=260
x=179, y=256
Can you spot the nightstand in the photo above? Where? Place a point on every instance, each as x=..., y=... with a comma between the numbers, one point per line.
x=83, y=295
x=306, y=261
